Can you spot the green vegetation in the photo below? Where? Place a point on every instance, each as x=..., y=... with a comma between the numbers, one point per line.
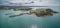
x=25, y=9
x=15, y=8
x=43, y=12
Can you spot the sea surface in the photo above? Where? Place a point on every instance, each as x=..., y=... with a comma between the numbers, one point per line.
x=29, y=21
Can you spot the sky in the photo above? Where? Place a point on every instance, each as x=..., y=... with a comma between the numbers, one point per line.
x=30, y=2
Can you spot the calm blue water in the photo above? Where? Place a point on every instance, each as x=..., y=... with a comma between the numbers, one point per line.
x=29, y=21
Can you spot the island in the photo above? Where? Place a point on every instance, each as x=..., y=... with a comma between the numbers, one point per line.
x=38, y=12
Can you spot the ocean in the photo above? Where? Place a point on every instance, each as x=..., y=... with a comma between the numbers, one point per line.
x=29, y=21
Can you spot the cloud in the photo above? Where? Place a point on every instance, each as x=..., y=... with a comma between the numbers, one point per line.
x=36, y=2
